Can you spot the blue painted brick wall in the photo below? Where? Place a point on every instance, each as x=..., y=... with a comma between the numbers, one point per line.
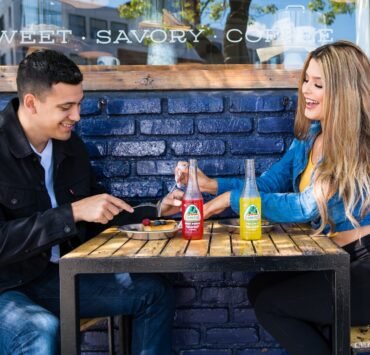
x=135, y=139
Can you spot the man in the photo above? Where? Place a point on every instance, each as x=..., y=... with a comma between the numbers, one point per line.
x=48, y=201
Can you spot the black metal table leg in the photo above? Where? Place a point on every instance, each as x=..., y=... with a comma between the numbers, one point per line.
x=341, y=329
x=69, y=321
x=111, y=334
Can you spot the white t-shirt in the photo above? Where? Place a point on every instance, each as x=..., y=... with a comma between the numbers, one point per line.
x=47, y=163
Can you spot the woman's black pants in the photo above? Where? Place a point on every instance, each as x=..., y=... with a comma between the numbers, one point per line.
x=294, y=307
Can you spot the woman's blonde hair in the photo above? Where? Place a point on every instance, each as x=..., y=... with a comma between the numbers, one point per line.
x=345, y=165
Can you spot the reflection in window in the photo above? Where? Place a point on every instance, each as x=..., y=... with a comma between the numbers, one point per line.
x=40, y=12
x=10, y=23
x=97, y=25
x=77, y=24
x=116, y=27
x=276, y=32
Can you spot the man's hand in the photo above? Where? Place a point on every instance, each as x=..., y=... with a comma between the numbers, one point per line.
x=99, y=208
x=171, y=203
x=205, y=183
x=217, y=205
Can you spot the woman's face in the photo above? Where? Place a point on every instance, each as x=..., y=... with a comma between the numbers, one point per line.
x=313, y=91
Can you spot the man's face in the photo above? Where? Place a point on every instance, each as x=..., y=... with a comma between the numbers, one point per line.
x=57, y=111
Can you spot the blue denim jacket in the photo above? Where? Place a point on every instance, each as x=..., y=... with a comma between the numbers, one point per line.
x=280, y=196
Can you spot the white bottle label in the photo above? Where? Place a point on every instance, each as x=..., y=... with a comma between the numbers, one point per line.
x=252, y=216
x=192, y=214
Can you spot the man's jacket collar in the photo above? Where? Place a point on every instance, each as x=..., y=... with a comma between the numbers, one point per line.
x=17, y=140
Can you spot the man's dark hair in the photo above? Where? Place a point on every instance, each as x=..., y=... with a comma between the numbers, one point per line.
x=40, y=70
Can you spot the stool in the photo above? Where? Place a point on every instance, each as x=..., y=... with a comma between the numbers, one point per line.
x=124, y=332
x=360, y=339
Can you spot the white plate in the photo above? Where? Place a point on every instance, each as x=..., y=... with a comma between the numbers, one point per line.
x=135, y=231
x=233, y=225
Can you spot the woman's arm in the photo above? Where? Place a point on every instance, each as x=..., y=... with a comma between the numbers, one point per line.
x=283, y=207
x=279, y=178
x=276, y=207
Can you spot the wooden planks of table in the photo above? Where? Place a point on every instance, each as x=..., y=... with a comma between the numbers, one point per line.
x=287, y=247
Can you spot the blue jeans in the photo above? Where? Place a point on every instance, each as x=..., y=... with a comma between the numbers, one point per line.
x=29, y=321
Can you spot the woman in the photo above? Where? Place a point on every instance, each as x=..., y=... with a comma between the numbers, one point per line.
x=323, y=178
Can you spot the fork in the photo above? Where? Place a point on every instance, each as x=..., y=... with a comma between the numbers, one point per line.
x=173, y=188
x=159, y=204
x=145, y=204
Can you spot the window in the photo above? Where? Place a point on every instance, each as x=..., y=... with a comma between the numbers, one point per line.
x=77, y=24
x=257, y=34
x=10, y=20
x=117, y=27
x=96, y=25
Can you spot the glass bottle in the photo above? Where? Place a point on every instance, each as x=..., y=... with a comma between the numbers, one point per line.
x=250, y=205
x=192, y=206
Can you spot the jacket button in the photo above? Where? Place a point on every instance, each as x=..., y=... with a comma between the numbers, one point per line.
x=13, y=201
x=67, y=229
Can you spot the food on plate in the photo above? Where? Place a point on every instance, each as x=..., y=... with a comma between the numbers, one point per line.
x=158, y=225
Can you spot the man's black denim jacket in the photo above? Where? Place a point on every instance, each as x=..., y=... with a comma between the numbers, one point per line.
x=29, y=226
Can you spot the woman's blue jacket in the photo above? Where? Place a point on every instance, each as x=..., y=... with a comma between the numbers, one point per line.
x=280, y=196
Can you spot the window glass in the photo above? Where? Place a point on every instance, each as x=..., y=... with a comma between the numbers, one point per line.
x=116, y=27
x=77, y=24
x=170, y=32
x=97, y=26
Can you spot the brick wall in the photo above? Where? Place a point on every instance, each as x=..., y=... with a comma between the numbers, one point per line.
x=135, y=139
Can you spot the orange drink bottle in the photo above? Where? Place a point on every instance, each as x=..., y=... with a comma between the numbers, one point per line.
x=192, y=206
x=250, y=205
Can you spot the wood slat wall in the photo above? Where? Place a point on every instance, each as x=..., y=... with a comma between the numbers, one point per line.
x=177, y=77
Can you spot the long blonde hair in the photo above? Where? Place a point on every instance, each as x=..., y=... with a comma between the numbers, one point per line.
x=345, y=167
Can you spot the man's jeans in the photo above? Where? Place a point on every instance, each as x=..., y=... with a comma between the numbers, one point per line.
x=29, y=314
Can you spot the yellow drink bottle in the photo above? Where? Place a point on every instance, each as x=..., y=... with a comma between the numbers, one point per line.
x=250, y=205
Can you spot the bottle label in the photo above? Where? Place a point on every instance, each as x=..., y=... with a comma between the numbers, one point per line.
x=252, y=216
x=192, y=214
x=192, y=219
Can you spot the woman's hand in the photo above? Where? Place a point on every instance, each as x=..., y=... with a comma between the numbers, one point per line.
x=171, y=203
x=205, y=183
x=217, y=205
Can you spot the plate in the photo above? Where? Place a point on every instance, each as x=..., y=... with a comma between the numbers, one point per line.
x=233, y=225
x=135, y=231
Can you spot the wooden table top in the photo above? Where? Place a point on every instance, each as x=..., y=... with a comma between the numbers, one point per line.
x=282, y=240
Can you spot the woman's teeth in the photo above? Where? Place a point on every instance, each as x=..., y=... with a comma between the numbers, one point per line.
x=309, y=101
